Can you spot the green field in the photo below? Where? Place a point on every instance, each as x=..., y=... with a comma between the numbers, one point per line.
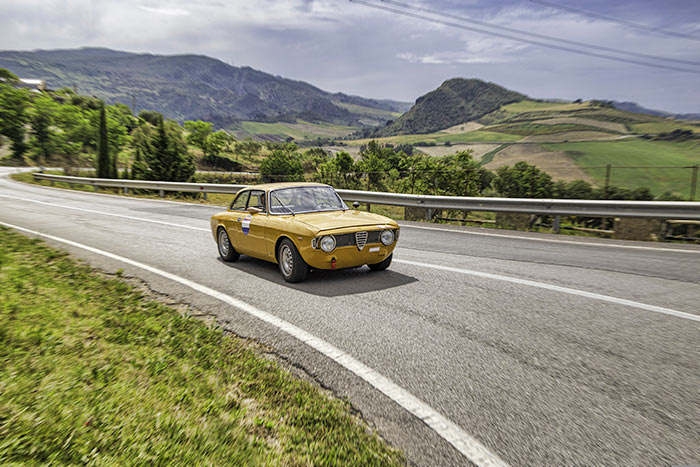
x=478, y=136
x=536, y=106
x=362, y=110
x=664, y=126
x=636, y=152
x=299, y=131
x=95, y=372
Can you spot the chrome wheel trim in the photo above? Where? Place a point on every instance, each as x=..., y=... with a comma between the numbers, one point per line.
x=286, y=260
x=224, y=244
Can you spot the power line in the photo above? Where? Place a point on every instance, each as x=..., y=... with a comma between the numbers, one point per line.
x=540, y=36
x=518, y=39
x=641, y=27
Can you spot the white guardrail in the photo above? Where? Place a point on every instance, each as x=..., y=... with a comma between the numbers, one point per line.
x=685, y=210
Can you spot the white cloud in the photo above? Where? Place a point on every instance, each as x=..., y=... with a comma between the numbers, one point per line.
x=165, y=11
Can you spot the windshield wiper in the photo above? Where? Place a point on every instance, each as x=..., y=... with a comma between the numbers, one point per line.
x=284, y=205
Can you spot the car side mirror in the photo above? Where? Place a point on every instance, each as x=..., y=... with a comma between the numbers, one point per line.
x=254, y=210
x=356, y=204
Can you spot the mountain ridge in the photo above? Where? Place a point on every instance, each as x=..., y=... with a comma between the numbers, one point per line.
x=192, y=86
x=455, y=101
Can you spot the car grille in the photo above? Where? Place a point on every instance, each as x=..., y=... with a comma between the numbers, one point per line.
x=351, y=240
x=360, y=239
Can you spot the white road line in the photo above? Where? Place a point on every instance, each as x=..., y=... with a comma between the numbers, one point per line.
x=556, y=288
x=466, y=444
x=153, y=221
x=550, y=240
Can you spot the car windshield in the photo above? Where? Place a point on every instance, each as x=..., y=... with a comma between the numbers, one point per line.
x=305, y=199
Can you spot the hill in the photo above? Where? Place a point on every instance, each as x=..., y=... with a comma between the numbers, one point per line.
x=634, y=107
x=456, y=101
x=190, y=87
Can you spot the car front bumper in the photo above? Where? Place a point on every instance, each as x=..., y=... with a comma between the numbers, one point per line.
x=348, y=256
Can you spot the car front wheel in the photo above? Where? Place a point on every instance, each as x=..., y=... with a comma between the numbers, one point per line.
x=226, y=250
x=383, y=265
x=291, y=264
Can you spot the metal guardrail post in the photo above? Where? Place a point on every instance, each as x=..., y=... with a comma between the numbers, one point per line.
x=557, y=224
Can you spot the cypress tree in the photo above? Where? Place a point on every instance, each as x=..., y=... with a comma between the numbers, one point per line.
x=138, y=168
x=104, y=168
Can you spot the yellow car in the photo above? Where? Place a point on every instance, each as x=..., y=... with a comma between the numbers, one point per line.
x=301, y=226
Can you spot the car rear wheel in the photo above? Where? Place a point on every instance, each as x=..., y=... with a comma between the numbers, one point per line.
x=226, y=250
x=383, y=265
x=291, y=264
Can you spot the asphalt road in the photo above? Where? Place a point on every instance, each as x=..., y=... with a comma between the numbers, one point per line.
x=547, y=350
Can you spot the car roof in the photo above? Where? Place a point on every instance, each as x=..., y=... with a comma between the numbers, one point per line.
x=275, y=186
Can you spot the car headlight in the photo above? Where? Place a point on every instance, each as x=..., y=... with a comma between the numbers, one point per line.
x=328, y=243
x=387, y=237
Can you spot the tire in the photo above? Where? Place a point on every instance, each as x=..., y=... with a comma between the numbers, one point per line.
x=226, y=250
x=292, y=266
x=383, y=265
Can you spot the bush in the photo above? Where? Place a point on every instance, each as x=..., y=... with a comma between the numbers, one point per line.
x=221, y=162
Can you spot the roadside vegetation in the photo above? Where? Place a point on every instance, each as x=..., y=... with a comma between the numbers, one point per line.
x=96, y=372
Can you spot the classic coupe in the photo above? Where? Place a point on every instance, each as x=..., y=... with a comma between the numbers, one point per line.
x=302, y=226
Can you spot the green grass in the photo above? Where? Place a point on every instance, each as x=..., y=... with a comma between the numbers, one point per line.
x=95, y=372
x=636, y=152
x=527, y=129
x=488, y=157
x=299, y=131
x=478, y=136
x=663, y=126
x=535, y=106
x=362, y=110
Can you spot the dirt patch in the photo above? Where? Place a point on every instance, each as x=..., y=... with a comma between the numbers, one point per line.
x=612, y=126
x=462, y=128
x=570, y=136
x=555, y=163
x=477, y=149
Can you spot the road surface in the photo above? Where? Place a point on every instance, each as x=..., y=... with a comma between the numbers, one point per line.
x=477, y=346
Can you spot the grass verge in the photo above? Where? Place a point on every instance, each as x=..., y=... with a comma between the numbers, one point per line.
x=94, y=371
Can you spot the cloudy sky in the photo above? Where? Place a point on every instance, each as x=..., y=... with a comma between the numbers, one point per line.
x=350, y=47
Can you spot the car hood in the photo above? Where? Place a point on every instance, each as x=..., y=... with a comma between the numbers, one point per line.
x=341, y=219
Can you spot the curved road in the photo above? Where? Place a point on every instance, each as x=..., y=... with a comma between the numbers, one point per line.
x=522, y=348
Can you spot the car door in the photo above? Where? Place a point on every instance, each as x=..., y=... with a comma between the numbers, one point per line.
x=236, y=213
x=249, y=231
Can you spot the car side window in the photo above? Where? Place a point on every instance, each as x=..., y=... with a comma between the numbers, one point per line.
x=257, y=200
x=240, y=202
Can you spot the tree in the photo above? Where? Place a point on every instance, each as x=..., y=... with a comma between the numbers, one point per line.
x=339, y=171
x=198, y=135
x=282, y=165
x=42, y=117
x=523, y=181
x=139, y=169
x=168, y=159
x=13, y=117
x=248, y=148
x=7, y=77
x=104, y=164
x=217, y=143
